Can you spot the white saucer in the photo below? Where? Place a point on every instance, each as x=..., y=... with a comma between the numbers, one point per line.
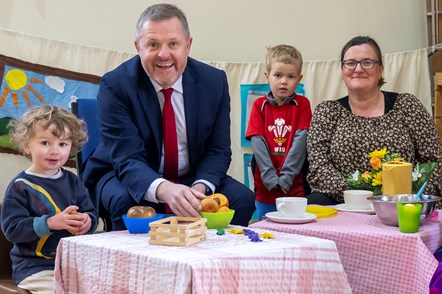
x=341, y=207
x=279, y=218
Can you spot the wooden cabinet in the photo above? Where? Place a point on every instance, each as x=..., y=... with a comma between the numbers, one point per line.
x=438, y=103
x=434, y=29
x=434, y=21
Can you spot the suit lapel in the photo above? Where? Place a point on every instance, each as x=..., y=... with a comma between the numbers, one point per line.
x=151, y=107
x=193, y=92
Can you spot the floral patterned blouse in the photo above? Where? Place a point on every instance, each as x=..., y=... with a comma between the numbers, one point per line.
x=339, y=142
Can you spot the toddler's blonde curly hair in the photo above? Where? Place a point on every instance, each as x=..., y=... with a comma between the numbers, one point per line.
x=23, y=129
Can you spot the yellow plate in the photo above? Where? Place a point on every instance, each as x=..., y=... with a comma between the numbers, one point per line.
x=321, y=211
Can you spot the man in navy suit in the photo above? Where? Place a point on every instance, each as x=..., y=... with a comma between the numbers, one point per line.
x=126, y=168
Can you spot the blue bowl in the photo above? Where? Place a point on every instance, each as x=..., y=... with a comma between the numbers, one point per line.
x=139, y=225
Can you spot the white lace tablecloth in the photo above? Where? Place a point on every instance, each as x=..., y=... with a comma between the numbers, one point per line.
x=119, y=262
x=377, y=258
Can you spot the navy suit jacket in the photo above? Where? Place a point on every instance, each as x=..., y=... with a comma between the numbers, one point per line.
x=131, y=130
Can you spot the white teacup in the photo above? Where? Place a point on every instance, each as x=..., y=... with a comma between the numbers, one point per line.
x=357, y=199
x=293, y=207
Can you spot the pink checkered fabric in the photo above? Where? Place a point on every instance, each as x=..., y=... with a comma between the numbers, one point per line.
x=377, y=258
x=118, y=262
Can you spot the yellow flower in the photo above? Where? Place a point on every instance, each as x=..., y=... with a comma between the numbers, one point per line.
x=378, y=153
x=375, y=163
x=366, y=176
x=377, y=179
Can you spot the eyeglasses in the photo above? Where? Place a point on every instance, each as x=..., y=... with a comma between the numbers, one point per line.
x=365, y=63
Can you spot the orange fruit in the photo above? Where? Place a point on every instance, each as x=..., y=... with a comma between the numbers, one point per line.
x=209, y=205
x=221, y=199
x=223, y=209
x=73, y=232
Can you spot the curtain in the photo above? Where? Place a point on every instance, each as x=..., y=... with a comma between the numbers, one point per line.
x=403, y=72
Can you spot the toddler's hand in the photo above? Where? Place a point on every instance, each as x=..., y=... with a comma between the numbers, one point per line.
x=85, y=227
x=65, y=220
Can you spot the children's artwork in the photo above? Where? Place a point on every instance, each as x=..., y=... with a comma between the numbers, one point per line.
x=25, y=84
x=249, y=93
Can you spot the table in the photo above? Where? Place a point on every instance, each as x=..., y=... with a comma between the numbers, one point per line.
x=119, y=262
x=377, y=258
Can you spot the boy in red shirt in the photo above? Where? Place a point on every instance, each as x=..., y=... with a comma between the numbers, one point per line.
x=277, y=129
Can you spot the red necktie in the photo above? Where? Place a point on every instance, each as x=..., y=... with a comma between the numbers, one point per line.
x=170, y=171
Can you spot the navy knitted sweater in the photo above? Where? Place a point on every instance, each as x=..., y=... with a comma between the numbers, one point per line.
x=28, y=202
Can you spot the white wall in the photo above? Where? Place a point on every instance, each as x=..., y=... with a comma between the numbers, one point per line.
x=229, y=30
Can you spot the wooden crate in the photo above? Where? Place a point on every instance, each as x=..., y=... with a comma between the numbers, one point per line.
x=177, y=231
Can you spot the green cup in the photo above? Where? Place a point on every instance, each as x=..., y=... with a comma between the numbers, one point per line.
x=409, y=217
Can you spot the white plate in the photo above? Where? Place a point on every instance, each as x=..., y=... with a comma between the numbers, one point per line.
x=277, y=217
x=341, y=207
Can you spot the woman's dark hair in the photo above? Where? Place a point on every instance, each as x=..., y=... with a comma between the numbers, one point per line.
x=360, y=40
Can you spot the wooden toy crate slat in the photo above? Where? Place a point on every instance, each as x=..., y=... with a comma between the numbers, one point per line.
x=177, y=231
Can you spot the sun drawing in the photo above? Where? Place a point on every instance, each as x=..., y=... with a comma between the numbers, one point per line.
x=17, y=80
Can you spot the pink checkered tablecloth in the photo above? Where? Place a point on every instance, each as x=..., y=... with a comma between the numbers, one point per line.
x=119, y=262
x=377, y=258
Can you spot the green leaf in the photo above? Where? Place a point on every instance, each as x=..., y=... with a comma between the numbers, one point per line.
x=425, y=169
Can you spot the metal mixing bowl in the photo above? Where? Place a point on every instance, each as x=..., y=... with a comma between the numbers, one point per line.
x=385, y=206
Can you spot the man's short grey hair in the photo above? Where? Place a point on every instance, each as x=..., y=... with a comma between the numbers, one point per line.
x=160, y=12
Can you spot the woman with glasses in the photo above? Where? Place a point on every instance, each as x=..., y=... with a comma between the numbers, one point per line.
x=344, y=131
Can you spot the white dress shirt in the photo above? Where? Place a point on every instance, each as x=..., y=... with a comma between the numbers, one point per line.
x=183, y=150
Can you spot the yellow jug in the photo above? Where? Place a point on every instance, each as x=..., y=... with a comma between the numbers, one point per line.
x=396, y=177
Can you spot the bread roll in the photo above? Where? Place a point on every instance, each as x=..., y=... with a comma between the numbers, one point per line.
x=141, y=212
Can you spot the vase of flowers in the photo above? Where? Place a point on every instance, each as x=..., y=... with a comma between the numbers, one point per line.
x=372, y=179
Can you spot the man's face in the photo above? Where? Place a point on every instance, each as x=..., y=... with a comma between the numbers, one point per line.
x=163, y=49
